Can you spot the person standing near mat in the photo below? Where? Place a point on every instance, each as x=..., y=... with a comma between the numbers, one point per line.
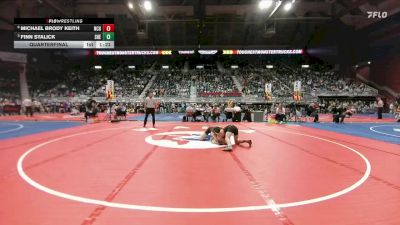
x=379, y=105
x=312, y=111
x=150, y=108
x=27, y=105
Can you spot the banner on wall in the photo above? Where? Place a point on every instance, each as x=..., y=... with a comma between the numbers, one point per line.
x=110, y=95
x=297, y=95
x=297, y=85
x=268, y=91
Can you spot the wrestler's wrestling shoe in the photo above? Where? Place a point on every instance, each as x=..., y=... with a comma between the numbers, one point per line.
x=228, y=148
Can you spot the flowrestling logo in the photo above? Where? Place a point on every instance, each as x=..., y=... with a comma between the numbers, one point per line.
x=377, y=14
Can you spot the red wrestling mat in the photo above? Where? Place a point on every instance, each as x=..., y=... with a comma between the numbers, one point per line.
x=124, y=174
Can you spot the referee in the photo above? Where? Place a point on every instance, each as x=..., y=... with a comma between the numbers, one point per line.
x=379, y=104
x=150, y=108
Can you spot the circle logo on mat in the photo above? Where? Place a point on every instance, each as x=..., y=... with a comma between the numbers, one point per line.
x=180, y=140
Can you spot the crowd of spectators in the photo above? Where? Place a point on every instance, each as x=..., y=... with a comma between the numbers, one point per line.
x=254, y=80
x=207, y=83
x=176, y=83
x=214, y=83
x=9, y=92
x=172, y=83
x=89, y=82
x=9, y=86
x=321, y=81
x=360, y=106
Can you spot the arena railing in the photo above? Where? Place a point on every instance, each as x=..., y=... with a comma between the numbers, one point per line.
x=368, y=93
x=307, y=98
x=212, y=100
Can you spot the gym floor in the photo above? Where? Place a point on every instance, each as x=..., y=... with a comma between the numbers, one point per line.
x=121, y=173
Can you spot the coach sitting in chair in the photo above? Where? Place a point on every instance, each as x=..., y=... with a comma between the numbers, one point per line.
x=198, y=112
x=120, y=111
x=312, y=111
x=280, y=115
x=237, y=114
x=228, y=114
x=91, y=109
x=339, y=113
x=189, y=113
x=247, y=114
x=207, y=112
x=215, y=113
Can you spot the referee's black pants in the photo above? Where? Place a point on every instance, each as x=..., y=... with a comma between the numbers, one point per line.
x=315, y=115
x=152, y=112
x=380, y=111
x=29, y=111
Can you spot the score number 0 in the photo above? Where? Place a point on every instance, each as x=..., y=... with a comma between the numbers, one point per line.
x=108, y=27
x=108, y=32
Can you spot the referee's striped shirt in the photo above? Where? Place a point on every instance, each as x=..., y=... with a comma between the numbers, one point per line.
x=150, y=103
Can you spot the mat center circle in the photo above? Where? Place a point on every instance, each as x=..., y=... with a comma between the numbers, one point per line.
x=29, y=180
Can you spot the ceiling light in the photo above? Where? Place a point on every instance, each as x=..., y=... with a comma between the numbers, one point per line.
x=264, y=4
x=147, y=5
x=287, y=6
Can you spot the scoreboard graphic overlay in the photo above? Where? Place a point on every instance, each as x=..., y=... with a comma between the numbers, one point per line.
x=44, y=33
